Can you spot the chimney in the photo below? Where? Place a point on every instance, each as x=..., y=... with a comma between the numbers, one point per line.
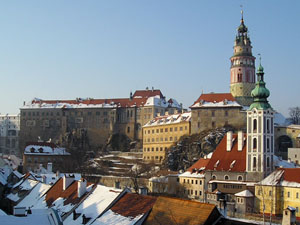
x=67, y=180
x=44, y=179
x=49, y=167
x=81, y=188
x=240, y=140
x=229, y=141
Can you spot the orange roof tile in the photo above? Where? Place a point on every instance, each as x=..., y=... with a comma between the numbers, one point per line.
x=291, y=174
x=201, y=163
x=226, y=158
x=215, y=97
x=177, y=211
x=132, y=205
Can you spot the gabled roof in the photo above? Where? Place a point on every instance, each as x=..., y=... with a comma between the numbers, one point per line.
x=178, y=211
x=69, y=195
x=216, y=100
x=99, y=199
x=128, y=210
x=223, y=160
x=283, y=177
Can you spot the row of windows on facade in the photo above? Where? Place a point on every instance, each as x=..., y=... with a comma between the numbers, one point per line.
x=192, y=181
x=259, y=192
x=105, y=113
x=192, y=192
x=161, y=139
x=160, y=158
x=157, y=149
x=213, y=124
x=44, y=159
x=267, y=126
x=8, y=118
x=226, y=177
x=256, y=165
x=213, y=113
x=166, y=130
x=57, y=122
x=256, y=147
x=11, y=143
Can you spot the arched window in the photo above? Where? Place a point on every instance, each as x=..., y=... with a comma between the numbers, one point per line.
x=254, y=163
x=268, y=162
x=254, y=143
x=240, y=178
x=214, y=177
x=268, y=126
x=226, y=177
x=254, y=125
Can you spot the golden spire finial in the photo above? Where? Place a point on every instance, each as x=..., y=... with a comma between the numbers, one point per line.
x=242, y=12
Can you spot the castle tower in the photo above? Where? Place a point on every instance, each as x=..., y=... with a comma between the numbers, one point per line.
x=242, y=71
x=260, y=131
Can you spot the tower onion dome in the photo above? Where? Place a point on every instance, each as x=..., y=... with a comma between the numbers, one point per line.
x=242, y=28
x=260, y=93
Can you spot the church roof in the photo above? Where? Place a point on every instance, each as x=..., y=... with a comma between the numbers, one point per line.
x=233, y=160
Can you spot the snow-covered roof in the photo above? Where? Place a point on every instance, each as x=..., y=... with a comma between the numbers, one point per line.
x=161, y=179
x=169, y=119
x=193, y=175
x=245, y=193
x=128, y=210
x=94, y=204
x=44, y=150
x=42, y=216
x=247, y=183
x=216, y=100
x=278, y=162
x=35, y=199
x=287, y=177
x=280, y=120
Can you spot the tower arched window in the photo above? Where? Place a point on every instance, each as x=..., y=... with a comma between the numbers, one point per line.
x=268, y=126
x=254, y=143
x=268, y=162
x=254, y=125
x=254, y=163
x=240, y=77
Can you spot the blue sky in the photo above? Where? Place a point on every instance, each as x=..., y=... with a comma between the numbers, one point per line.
x=102, y=49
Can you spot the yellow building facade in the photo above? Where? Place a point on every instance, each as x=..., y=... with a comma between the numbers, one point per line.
x=278, y=191
x=162, y=132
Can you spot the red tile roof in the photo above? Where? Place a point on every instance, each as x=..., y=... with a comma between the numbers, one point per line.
x=120, y=102
x=201, y=163
x=226, y=158
x=215, y=97
x=291, y=174
x=70, y=194
x=147, y=93
x=132, y=205
x=139, y=99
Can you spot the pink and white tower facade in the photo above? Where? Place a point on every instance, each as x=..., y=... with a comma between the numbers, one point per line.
x=242, y=71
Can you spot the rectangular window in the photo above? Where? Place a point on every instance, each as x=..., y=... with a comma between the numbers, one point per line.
x=212, y=113
x=175, y=128
x=166, y=129
x=171, y=129
x=181, y=128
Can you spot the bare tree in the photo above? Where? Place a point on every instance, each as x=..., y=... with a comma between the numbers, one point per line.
x=294, y=113
x=139, y=171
